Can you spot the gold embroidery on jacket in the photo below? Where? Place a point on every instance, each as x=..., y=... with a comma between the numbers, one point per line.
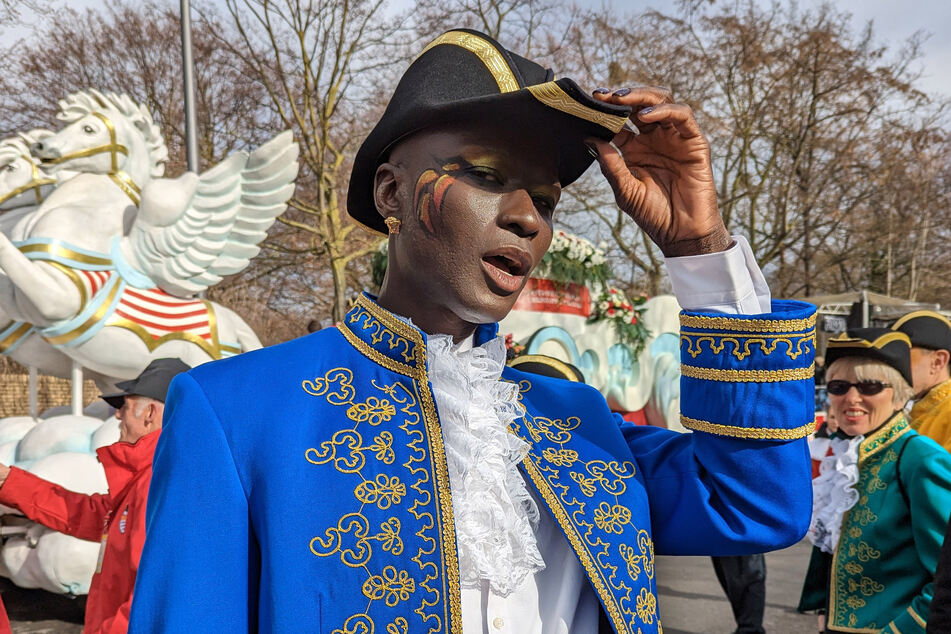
x=594, y=533
x=352, y=539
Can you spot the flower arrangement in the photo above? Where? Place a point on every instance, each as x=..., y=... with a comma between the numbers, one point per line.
x=574, y=259
x=513, y=348
x=625, y=313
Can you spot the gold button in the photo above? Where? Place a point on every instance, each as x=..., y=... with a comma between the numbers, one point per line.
x=498, y=623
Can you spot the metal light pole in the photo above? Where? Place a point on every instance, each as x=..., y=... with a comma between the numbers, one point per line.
x=188, y=73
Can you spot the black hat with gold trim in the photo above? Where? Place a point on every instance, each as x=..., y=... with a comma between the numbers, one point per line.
x=880, y=344
x=464, y=74
x=547, y=366
x=926, y=329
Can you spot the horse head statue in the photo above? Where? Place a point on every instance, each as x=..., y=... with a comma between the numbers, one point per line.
x=23, y=183
x=107, y=134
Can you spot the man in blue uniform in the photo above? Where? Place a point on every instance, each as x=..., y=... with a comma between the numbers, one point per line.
x=392, y=475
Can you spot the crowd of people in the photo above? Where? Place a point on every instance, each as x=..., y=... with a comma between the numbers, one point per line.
x=393, y=474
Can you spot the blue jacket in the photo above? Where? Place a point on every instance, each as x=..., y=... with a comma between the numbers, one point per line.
x=304, y=487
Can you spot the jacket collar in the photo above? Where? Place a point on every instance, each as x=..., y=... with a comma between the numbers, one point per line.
x=390, y=341
x=122, y=461
x=876, y=442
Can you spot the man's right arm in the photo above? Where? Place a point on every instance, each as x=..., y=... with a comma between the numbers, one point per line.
x=51, y=505
x=200, y=565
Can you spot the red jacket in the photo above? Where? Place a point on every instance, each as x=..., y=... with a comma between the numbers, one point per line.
x=117, y=519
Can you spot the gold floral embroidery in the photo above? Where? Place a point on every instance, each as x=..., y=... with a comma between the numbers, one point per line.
x=866, y=586
x=392, y=586
x=646, y=606
x=382, y=491
x=560, y=457
x=638, y=561
x=611, y=518
x=590, y=531
x=864, y=552
x=351, y=539
x=373, y=411
x=356, y=624
x=399, y=626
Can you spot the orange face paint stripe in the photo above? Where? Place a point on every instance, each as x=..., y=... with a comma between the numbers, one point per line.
x=439, y=190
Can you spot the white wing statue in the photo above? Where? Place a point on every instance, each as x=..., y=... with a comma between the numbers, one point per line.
x=192, y=231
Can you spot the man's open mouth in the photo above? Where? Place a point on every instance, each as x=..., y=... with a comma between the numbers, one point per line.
x=507, y=268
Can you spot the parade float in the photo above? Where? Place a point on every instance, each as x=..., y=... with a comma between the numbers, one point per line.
x=103, y=264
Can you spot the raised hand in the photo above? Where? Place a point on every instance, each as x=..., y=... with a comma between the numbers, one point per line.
x=662, y=177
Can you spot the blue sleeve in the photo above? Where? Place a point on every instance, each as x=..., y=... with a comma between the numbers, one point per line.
x=200, y=563
x=741, y=482
x=715, y=495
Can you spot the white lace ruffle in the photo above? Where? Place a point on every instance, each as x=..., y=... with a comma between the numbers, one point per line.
x=494, y=514
x=833, y=492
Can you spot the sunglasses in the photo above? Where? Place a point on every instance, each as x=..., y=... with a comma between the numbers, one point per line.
x=865, y=388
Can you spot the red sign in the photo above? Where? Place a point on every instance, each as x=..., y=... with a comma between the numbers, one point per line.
x=545, y=296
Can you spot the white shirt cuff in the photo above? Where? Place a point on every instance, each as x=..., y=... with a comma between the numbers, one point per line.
x=728, y=282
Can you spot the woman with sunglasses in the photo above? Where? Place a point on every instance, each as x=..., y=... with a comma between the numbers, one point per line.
x=882, y=499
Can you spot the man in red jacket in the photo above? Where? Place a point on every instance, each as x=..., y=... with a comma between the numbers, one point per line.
x=116, y=519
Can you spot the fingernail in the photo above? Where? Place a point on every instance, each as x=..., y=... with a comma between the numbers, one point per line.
x=622, y=92
x=645, y=110
x=601, y=91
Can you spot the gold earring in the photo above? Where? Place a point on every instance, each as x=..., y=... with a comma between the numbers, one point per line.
x=393, y=224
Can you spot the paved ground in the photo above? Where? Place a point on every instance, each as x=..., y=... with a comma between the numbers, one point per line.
x=39, y=612
x=690, y=599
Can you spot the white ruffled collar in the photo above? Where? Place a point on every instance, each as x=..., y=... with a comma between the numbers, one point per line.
x=495, y=516
x=834, y=492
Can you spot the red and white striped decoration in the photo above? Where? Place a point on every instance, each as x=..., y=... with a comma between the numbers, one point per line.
x=162, y=314
x=93, y=280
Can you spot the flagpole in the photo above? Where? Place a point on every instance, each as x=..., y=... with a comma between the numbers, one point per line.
x=188, y=73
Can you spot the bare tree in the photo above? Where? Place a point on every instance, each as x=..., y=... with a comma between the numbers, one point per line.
x=324, y=66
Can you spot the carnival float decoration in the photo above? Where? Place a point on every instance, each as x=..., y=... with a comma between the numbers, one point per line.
x=103, y=262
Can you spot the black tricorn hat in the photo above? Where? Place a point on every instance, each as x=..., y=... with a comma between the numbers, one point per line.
x=880, y=344
x=926, y=329
x=547, y=366
x=464, y=74
x=152, y=382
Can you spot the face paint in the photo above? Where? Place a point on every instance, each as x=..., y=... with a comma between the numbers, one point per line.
x=430, y=193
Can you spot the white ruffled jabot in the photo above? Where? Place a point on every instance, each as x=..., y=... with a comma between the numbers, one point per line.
x=494, y=514
x=834, y=492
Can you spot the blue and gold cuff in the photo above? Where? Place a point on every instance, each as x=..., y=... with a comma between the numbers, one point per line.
x=749, y=376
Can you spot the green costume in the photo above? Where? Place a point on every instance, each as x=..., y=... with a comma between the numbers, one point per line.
x=880, y=577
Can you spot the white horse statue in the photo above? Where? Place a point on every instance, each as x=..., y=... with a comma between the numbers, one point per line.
x=23, y=187
x=108, y=265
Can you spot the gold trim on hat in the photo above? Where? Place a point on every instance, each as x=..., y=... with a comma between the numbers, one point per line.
x=485, y=51
x=556, y=364
x=852, y=342
x=921, y=313
x=552, y=95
